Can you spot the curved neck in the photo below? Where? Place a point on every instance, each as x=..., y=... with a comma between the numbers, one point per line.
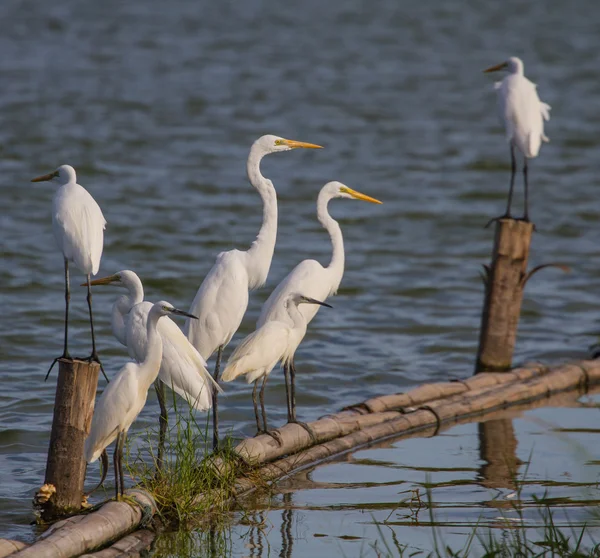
x=123, y=304
x=150, y=366
x=298, y=319
x=260, y=253
x=336, y=265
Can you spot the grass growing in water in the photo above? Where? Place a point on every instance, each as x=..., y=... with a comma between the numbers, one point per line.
x=192, y=481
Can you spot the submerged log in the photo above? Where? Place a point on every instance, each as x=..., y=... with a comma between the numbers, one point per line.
x=504, y=283
x=337, y=434
x=73, y=410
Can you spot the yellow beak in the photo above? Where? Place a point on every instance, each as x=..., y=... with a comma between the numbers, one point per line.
x=293, y=144
x=358, y=196
x=495, y=68
x=103, y=281
x=45, y=177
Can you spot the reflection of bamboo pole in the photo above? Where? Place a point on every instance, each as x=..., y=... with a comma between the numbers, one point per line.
x=504, y=282
x=381, y=418
x=498, y=447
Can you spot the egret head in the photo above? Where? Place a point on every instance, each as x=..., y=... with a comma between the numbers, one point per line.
x=124, y=278
x=338, y=190
x=62, y=175
x=163, y=308
x=513, y=65
x=272, y=144
x=297, y=298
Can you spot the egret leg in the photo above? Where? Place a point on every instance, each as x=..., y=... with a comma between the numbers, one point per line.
x=103, y=471
x=513, y=172
x=94, y=355
x=121, y=477
x=163, y=422
x=215, y=401
x=273, y=433
x=294, y=420
x=67, y=301
x=259, y=429
x=526, y=214
x=286, y=372
x=116, y=465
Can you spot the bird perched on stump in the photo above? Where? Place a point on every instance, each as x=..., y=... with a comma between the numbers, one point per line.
x=523, y=115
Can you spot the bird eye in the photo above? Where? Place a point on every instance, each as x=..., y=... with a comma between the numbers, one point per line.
x=278, y=142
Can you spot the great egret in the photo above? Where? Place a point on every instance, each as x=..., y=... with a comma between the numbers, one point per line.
x=222, y=298
x=312, y=279
x=78, y=226
x=523, y=115
x=274, y=341
x=124, y=398
x=182, y=368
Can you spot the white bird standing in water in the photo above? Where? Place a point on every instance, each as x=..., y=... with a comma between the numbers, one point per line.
x=182, y=368
x=274, y=341
x=312, y=279
x=222, y=298
x=78, y=226
x=523, y=115
x=124, y=398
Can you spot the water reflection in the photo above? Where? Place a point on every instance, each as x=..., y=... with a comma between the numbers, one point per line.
x=498, y=451
x=287, y=517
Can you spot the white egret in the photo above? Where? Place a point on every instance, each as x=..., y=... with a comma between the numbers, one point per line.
x=182, y=368
x=274, y=341
x=222, y=298
x=124, y=398
x=523, y=115
x=312, y=279
x=78, y=226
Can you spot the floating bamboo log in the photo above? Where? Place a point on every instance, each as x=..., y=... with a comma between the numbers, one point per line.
x=8, y=547
x=424, y=410
x=73, y=410
x=504, y=283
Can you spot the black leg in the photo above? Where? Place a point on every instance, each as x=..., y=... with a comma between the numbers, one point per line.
x=294, y=420
x=526, y=214
x=121, y=477
x=67, y=301
x=262, y=402
x=94, y=355
x=259, y=429
x=286, y=372
x=163, y=422
x=103, y=471
x=215, y=401
x=116, y=465
x=513, y=171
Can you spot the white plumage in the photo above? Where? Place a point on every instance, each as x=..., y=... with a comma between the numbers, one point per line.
x=523, y=115
x=182, y=368
x=222, y=298
x=125, y=396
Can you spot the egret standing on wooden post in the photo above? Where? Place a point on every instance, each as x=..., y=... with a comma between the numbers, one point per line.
x=312, y=279
x=124, y=398
x=182, y=368
x=78, y=226
x=523, y=115
x=222, y=298
x=274, y=341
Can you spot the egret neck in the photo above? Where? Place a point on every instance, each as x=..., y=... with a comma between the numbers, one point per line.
x=260, y=254
x=123, y=304
x=150, y=366
x=336, y=265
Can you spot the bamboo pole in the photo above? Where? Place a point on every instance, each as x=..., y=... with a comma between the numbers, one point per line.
x=9, y=547
x=130, y=545
x=337, y=434
x=73, y=410
x=504, y=282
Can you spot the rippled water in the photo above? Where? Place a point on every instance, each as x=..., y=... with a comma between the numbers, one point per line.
x=156, y=106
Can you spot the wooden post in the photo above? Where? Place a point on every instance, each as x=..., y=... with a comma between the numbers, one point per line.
x=73, y=410
x=504, y=284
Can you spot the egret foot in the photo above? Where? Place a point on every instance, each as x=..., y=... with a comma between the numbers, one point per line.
x=311, y=433
x=65, y=355
x=505, y=216
x=95, y=358
x=273, y=433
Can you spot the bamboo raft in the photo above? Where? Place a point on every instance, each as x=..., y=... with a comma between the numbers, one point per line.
x=421, y=411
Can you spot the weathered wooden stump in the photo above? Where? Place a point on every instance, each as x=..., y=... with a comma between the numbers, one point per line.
x=504, y=283
x=73, y=410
